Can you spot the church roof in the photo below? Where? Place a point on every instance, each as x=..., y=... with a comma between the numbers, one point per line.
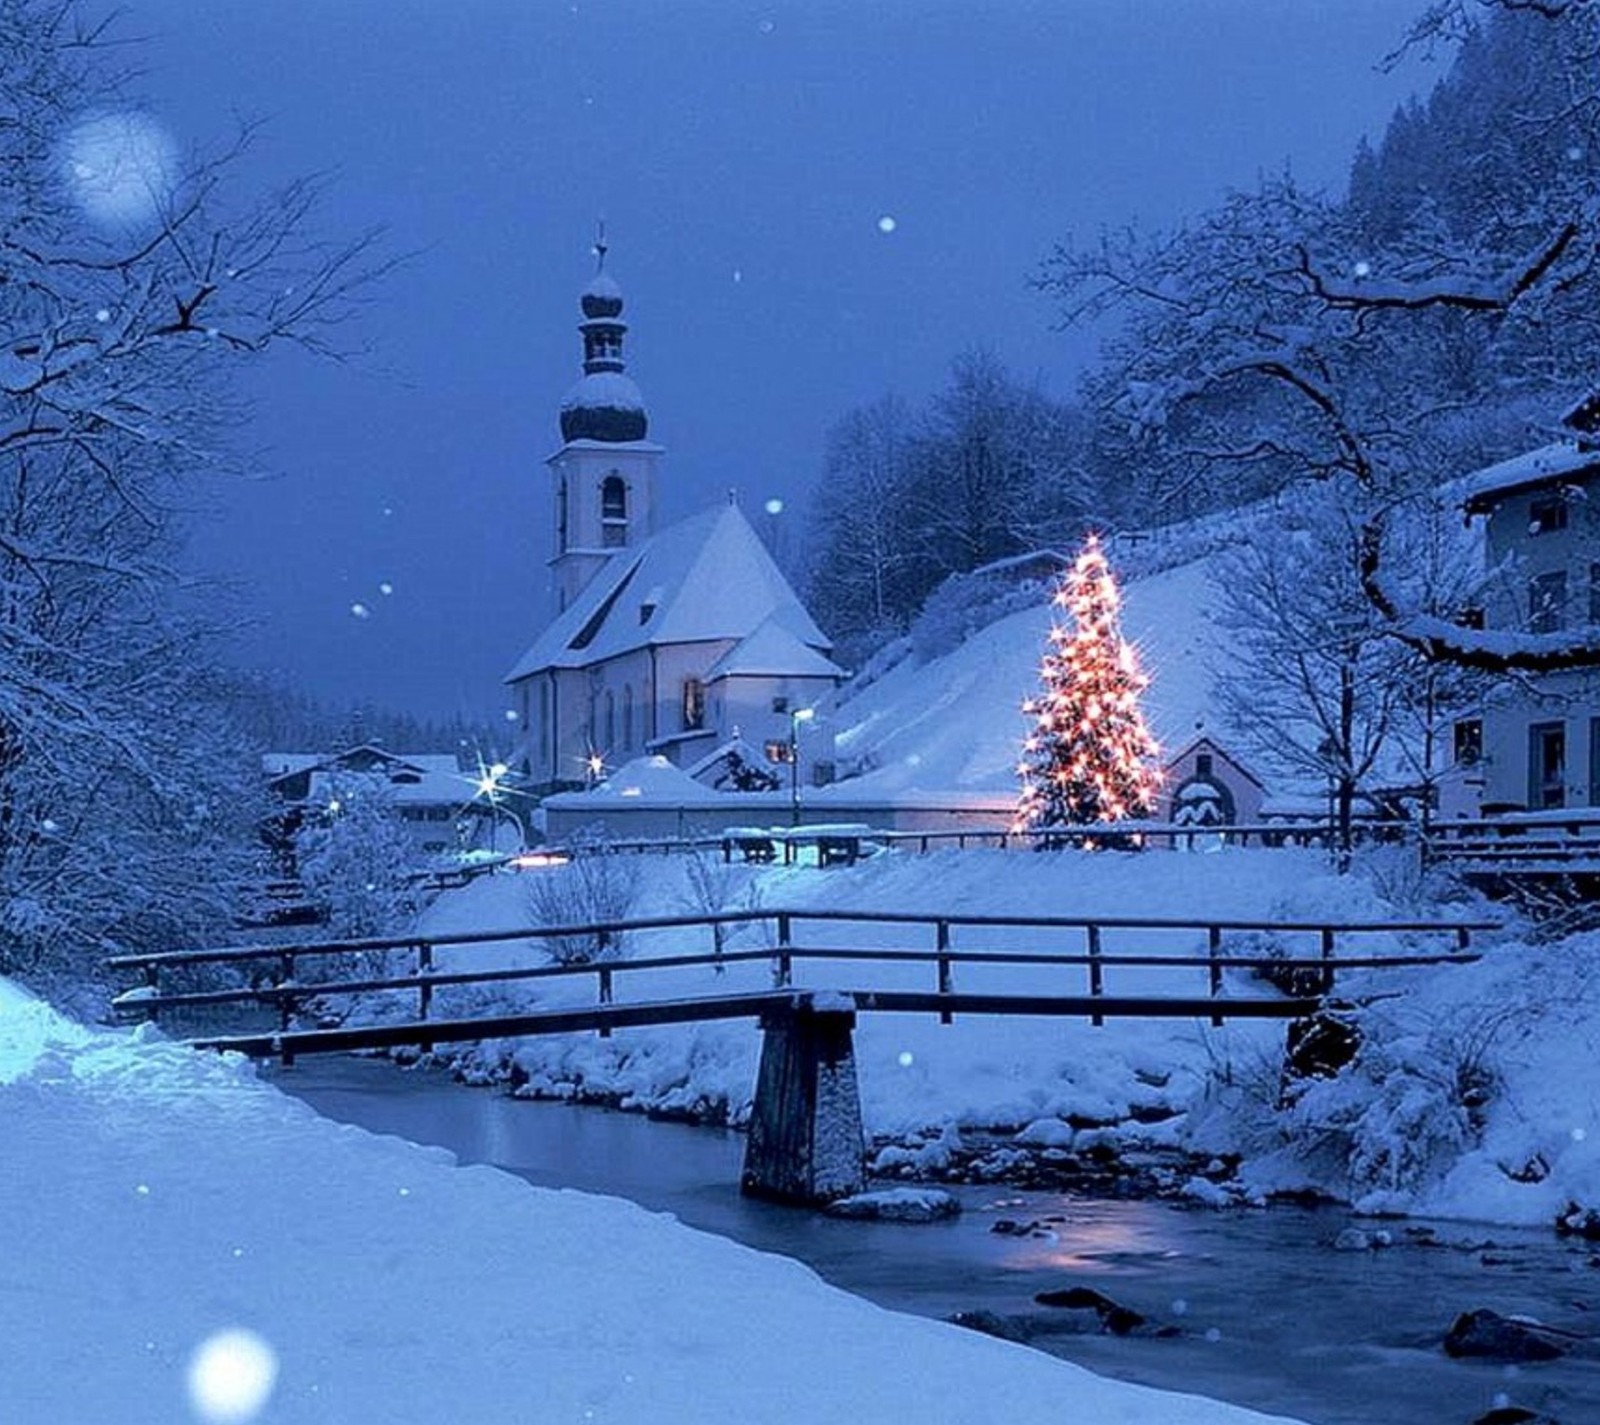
x=705, y=579
x=773, y=650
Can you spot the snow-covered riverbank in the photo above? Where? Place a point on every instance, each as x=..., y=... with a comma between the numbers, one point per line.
x=157, y=1201
x=1473, y=1095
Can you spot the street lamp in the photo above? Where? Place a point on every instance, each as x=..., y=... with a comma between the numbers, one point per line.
x=491, y=787
x=798, y=716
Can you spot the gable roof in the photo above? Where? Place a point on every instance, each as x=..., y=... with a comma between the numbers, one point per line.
x=772, y=650
x=1206, y=740
x=1561, y=461
x=705, y=579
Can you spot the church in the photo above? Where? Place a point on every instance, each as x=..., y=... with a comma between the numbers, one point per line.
x=677, y=642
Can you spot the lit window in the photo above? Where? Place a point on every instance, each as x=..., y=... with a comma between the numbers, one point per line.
x=694, y=704
x=1468, y=742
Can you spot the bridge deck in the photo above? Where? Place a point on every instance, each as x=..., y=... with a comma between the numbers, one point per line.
x=290, y=1044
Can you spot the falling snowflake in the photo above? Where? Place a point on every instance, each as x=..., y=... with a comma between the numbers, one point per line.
x=512, y=715
x=231, y=1376
x=886, y=224
x=906, y=1059
x=360, y=610
x=103, y=315
x=386, y=587
x=774, y=506
x=1363, y=269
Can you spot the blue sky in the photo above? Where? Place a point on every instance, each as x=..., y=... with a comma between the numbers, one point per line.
x=743, y=155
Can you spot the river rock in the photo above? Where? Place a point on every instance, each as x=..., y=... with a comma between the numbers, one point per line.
x=1119, y=1320
x=1321, y=1045
x=1502, y=1338
x=1357, y=1239
x=897, y=1205
x=1515, y=1415
x=1578, y=1221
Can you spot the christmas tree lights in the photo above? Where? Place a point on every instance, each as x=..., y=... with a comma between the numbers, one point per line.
x=1088, y=756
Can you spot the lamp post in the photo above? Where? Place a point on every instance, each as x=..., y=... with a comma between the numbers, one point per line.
x=798, y=716
x=491, y=787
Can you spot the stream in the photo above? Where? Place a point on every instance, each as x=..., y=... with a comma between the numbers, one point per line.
x=1271, y=1314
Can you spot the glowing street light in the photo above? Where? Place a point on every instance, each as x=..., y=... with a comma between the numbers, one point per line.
x=798, y=716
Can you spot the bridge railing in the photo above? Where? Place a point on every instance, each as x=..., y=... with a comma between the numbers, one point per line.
x=279, y=977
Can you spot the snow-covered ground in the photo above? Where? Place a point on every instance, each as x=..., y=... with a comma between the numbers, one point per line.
x=183, y=1242
x=955, y=722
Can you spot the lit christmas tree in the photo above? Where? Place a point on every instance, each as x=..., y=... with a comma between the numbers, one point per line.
x=1088, y=757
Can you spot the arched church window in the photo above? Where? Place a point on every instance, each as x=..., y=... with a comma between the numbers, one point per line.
x=694, y=704
x=561, y=516
x=627, y=717
x=613, y=511
x=611, y=719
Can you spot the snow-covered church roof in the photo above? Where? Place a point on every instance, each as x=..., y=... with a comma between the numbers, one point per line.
x=706, y=579
x=773, y=650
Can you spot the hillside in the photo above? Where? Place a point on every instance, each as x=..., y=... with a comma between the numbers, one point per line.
x=954, y=723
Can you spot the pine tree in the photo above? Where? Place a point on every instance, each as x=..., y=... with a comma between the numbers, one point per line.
x=1088, y=757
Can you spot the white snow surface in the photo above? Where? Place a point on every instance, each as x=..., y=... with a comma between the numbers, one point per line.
x=156, y=1199
x=956, y=723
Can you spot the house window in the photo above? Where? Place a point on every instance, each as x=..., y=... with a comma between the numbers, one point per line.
x=779, y=751
x=1468, y=742
x=694, y=704
x=780, y=705
x=613, y=512
x=1594, y=593
x=1547, y=515
x=1202, y=764
x=1471, y=617
x=1547, y=601
x=1547, y=765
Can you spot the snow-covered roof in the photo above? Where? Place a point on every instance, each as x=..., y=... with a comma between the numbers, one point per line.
x=650, y=779
x=284, y=764
x=1205, y=739
x=710, y=578
x=431, y=788
x=604, y=390
x=773, y=651
x=603, y=285
x=1558, y=461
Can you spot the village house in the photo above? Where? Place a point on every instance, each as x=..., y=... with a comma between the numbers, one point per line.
x=1537, y=743
x=435, y=800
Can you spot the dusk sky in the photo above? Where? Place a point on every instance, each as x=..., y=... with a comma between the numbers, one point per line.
x=809, y=204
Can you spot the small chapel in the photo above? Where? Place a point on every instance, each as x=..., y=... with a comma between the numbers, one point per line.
x=679, y=642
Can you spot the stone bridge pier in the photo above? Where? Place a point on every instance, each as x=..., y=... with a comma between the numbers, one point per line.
x=805, y=1143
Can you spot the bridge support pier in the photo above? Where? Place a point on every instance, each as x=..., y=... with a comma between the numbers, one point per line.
x=805, y=1142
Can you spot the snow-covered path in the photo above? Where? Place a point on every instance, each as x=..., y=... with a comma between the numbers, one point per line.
x=153, y=1198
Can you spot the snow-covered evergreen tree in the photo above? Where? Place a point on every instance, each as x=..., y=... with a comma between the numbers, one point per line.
x=1089, y=756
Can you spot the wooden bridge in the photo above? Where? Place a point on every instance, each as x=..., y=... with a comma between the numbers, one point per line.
x=805, y=1138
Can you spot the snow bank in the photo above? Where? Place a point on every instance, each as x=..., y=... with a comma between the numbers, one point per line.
x=157, y=1199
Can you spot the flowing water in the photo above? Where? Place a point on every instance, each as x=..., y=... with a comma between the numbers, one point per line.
x=1271, y=1314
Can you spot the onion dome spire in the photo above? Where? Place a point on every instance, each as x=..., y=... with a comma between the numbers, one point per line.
x=605, y=405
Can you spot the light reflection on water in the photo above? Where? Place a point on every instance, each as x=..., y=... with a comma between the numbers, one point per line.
x=1270, y=1315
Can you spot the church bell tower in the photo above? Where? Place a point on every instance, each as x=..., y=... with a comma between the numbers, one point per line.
x=603, y=478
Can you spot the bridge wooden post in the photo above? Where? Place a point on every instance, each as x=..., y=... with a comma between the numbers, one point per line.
x=805, y=1143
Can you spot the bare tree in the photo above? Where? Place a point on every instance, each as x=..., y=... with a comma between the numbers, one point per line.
x=127, y=310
